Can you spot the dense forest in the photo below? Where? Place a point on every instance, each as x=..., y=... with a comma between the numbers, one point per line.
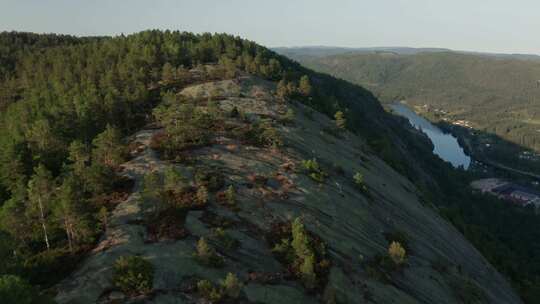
x=67, y=103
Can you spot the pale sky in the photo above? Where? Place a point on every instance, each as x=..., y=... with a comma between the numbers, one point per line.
x=506, y=26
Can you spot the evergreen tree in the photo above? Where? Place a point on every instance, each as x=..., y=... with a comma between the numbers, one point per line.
x=168, y=73
x=108, y=147
x=40, y=192
x=79, y=156
x=304, y=86
x=341, y=122
x=152, y=190
x=397, y=253
x=232, y=286
x=281, y=89
x=14, y=290
x=68, y=212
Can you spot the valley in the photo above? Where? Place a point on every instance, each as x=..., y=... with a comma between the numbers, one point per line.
x=449, y=149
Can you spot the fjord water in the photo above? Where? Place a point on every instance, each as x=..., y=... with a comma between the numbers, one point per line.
x=445, y=145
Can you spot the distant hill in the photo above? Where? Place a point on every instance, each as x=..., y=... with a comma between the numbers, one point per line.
x=303, y=52
x=498, y=93
x=323, y=51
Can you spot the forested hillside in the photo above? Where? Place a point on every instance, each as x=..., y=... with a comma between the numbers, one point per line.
x=68, y=103
x=500, y=95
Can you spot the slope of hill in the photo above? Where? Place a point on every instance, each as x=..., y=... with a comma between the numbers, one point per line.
x=273, y=188
x=234, y=158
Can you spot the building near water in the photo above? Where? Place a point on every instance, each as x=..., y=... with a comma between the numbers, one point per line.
x=508, y=191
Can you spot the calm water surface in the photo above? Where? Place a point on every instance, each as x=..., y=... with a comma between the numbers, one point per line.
x=445, y=145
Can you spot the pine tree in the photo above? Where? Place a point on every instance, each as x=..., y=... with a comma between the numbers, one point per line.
x=232, y=286
x=341, y=122
x=300, y=241
x=69, y=214
x=204, y=251
x=281, y=89
x=305, y=86
x=230, y=195
x=79, y=156
x=40, y=191
x=307, y=271
x=202, y=195
x=173, y=180
x=108, y=147
x=397, y=253
x=168, y=73
x=152, y=190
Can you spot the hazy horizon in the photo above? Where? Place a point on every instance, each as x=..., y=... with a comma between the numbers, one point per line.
x=497, y=27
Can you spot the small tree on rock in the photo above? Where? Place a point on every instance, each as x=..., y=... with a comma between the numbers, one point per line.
x=397, y=253
x=341, y=122
x=305, y=86
x=232, y=286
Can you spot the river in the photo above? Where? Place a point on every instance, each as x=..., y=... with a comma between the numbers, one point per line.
x=445, y=145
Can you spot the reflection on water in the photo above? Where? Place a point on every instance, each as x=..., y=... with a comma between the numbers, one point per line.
x=445, y=145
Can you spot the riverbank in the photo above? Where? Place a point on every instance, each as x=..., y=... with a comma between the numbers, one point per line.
x=456, y=142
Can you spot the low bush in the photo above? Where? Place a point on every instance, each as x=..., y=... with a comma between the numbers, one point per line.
x=230, y=288
x=313, y=170
x=201, y=197
x=224, y=239
x=209, y=291
x=49, y=266
x=397, y=253
x=14, y=290
x=398, y=236
x=302, y=252
x=206, y=255
x=133, y=275
x=382, y=266
x=210, y=177
x=230, y=196
x=359, y=182
x=261, y=134
x=288, y=117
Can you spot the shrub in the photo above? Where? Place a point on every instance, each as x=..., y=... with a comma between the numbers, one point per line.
x=230, y=196
x=341, y=122
x=307, y=271
x=398, y=236
x=194, y=130
x=234, y=112
x=208, y=291
x=313, y=170
x=133, y=275
x=397, y=253
x=174, y=180
x=201, y=197
x=15, y=290
x=288, y=117
x=304, y=254
x=359, y=181
x=232, y=286
x=260, y=134
x=269, y=136
x=224, y=239
x=210, y=177
x=229, y=288
x=49, y=266
x=206, y=255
